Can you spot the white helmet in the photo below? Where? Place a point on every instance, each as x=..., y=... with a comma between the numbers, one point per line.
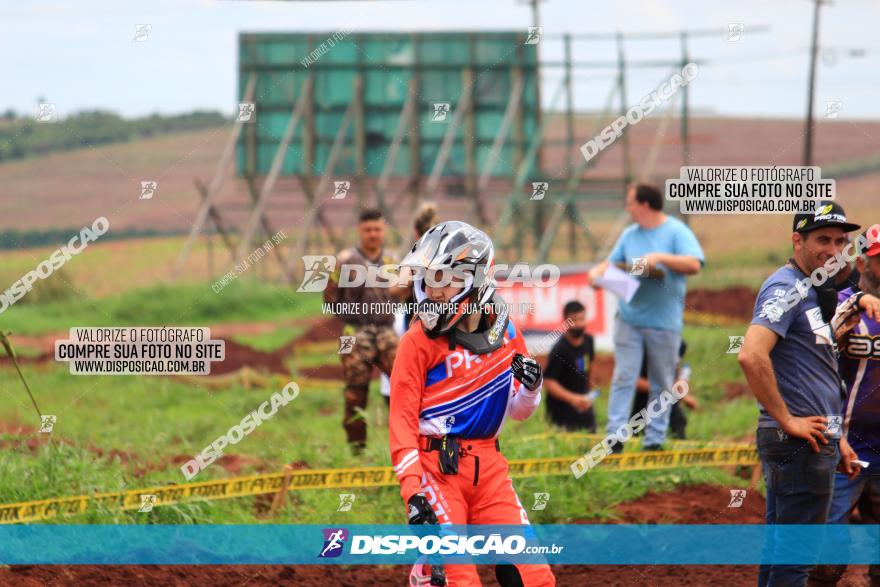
x=458, y=248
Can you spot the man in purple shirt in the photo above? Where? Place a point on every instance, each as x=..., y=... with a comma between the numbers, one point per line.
x=859, y=366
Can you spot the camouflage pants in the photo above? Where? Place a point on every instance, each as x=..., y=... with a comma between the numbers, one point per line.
x=373, y=345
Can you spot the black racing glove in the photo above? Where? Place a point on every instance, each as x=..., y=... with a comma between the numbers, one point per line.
x=438, y=576
x=527, y=371
x=841, y=323
x=419, y=511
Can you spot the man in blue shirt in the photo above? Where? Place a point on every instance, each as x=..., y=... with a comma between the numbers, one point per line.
x=789, y=360
x=665, y=251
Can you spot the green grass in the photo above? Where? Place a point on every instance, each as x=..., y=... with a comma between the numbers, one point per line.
x=152, y=420
x=270, y=341
x=707, y=355
x=740, y=267
x=164, y=305
x=311, y=360
x=733, y=420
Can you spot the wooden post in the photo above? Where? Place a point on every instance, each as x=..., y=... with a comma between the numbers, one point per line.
x=539, y=206
x=281, y=497
x=322, y=188
x=513, y=104
x=209, y=243
x=328, y=228
x=307, y=180
x=415, y=134
x=269, y=231
x=567, y=206
x=216, y=183
x=685, y=107
x=469, y=140
x=272, y=177
x=218, y=222
x=573, y=179
x=403, y=121
x=359, y=135
x=519, y=180
x=464, y=104
x=521, y=159
x=624, y=106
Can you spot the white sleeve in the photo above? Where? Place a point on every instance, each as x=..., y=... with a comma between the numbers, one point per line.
x=523, y=402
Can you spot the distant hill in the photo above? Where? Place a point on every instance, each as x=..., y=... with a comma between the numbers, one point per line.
x=22, y=137
x=71, y=189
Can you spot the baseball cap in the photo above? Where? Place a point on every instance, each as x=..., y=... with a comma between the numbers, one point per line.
x=826, y=214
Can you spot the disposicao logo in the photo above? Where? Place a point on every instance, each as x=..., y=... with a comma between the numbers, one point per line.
x=334, y=541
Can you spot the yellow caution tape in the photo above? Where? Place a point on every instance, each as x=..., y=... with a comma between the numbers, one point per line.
x=206, y=490
x=32, y=511
x=675, y=444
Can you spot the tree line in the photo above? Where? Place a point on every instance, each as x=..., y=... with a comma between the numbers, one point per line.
x=23, y=137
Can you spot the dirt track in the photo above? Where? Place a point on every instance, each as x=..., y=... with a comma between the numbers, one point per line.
x=696, y=504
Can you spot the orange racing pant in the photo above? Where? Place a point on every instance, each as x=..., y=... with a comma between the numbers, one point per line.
x=481, y=493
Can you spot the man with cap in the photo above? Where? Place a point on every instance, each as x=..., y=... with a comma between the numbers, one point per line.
x=859, y=366
x=789, y=358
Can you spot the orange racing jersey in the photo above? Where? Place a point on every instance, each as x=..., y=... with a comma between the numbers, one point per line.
x=437, y=391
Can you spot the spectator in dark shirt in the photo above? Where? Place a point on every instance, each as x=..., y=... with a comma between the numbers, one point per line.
x=567, y=376
x=677, y=418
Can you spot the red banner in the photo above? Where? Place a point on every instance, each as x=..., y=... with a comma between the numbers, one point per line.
x=538, y=310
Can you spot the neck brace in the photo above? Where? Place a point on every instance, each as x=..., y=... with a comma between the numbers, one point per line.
x=487, y=340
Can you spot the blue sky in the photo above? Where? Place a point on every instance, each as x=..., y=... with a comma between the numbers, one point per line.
x=80, y=55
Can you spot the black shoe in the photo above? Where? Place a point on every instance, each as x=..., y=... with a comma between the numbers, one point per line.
x=617, y=448
x=652, y=447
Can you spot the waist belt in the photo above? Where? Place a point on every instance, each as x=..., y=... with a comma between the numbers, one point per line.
x=430, y=443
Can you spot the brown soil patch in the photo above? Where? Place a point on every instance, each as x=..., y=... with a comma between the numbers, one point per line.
x=45, y=343
x=736, y=389
x=234, y=464
x=16, y=428
x=28, y=438
x=601, y=370
x=322, y=329
x=693, y=504
x=23, y=437
x=239, y=355
x=22, y=360
x=733, y=302
x=237, y=329
x=328, y=371
x=354, y=576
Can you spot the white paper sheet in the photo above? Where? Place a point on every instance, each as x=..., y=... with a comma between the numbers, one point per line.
x=618, y=282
